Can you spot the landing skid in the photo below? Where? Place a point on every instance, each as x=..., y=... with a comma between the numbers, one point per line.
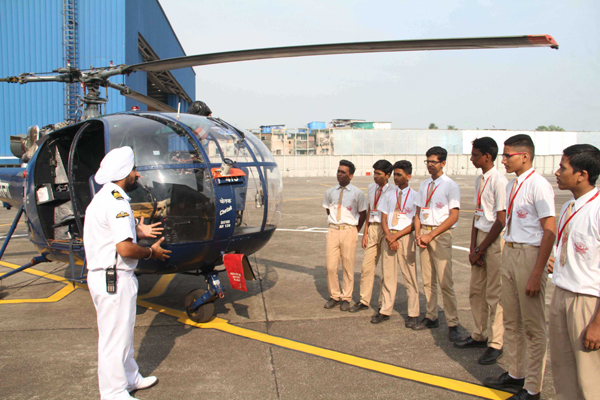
x=34, y=260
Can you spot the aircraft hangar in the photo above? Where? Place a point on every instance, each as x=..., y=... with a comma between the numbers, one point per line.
x=39, y=36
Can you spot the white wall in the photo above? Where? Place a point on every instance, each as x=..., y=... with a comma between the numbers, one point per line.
x=326, y=165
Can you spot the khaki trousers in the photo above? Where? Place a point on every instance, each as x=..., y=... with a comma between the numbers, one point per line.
x=436, y=265
x=372, y=254
x=524, y=317
x=341, y=244
x=405, y=258
x=484, y=295
x=575, y=370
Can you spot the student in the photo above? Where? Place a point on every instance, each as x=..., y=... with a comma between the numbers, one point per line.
x=486, y=254
x=346, y=207
x=438, y=203
x=529, y=236
x=373, y=236
x=399, y=246
x=574, y=311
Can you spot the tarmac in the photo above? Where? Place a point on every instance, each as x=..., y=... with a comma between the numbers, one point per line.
x=275, y=341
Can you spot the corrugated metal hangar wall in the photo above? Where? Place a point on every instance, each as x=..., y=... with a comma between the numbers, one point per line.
x=33, y=34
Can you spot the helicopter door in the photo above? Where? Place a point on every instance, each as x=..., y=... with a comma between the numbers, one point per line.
x=63, y=160
x=85, y=154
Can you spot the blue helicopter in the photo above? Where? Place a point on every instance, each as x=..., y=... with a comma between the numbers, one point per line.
x=215, y=188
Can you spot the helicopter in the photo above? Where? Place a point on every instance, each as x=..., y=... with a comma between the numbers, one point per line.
x=215, y=188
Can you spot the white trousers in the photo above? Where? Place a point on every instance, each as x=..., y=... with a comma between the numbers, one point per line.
x=117, y=370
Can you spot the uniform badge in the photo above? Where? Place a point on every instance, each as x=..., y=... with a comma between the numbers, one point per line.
x=122, y=214
x=117, y=195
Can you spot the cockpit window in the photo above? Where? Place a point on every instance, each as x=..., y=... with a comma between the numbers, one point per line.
x=154, y=140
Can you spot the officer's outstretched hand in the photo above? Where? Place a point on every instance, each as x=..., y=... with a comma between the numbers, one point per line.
x=158, y=253
x=147, y=231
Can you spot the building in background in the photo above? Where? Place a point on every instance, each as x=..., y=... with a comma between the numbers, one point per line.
x=43, y=35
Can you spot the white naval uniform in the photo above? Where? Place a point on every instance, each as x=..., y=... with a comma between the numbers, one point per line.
x=109, y=220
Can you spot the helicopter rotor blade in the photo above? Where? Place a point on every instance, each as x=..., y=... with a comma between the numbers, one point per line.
x=142, y=98
x=27, y=78
x=345, y=48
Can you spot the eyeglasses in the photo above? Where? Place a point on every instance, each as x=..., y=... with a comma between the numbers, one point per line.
x=507, y=156
x=429, y=162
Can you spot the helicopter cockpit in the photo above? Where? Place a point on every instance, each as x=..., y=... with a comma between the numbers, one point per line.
x=182, y=185
x=179, y=158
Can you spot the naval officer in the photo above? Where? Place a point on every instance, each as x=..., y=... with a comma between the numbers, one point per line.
x=109, y=236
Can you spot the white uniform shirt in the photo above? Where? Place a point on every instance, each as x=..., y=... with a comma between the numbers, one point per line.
x=493, y=198
x=375, y=214
x=353, y=202
x=406, y=210
x=108, y=221
x=445, y=198
x=581, y=271
x=535, y=200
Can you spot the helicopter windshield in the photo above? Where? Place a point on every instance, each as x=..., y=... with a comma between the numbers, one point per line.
x=220, y=141
x=175, y=186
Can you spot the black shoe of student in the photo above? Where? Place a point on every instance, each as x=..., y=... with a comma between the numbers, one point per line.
x=524, y=395
x=331, y=303
x=469, y=343
x=411, y=322
x=489, y=356
x=359, y=306
x=345, y=306
x=505, y=382
x=453, y=334
x=426, y=323
x=379, y=318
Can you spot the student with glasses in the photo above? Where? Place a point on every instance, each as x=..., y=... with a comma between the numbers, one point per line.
x=529, y=235
x=438, y=204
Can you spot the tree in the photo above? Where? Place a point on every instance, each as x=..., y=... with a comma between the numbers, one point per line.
x=432, y=126
x=451, y=128
x=552, y=128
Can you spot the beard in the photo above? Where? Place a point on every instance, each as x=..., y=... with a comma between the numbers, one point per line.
x=130, y=187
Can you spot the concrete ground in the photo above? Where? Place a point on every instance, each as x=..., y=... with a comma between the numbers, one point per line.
x=275, y=341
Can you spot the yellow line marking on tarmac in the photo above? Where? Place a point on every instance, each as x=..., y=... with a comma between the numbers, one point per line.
x=159, y=287
x=61, y=294
x=11, y=224
x=348, y=359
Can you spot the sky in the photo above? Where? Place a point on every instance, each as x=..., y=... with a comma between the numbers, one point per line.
x=469, y=89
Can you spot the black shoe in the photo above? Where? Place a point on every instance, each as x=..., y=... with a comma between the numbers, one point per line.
x=345, y=306
x=331, y=303
x=411, y=322
x=379, y=318
x=505, y=382
x=426, y=323
x=470, y=343
x=489, y=356
x=359, y=306
x=524, y=395
x=453, y=334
